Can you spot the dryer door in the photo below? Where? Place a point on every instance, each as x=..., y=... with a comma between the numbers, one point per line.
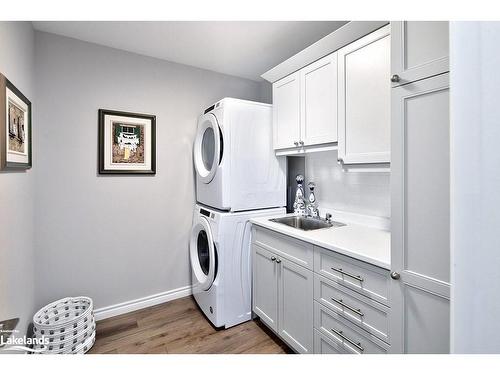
x=203, y=254
x=207, y=147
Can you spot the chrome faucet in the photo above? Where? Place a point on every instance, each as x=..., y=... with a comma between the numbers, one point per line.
x=299, y=206
x=312, y=206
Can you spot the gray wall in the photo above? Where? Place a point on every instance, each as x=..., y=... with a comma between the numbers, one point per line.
x=475, y=187
x=115, y=238
x=16, y=189
x=365, y=193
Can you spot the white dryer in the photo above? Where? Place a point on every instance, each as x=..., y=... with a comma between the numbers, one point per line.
x=220, y=263
x=235, y=162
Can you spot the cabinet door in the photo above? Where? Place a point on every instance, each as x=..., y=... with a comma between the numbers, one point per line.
x=420, y=219
x=318, y=87
x=286, y=112
x=265, y=286
x=296, y=306
x=364, y=99
x=420, y=49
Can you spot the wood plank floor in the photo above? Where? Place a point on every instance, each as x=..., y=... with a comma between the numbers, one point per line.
x=180, y=327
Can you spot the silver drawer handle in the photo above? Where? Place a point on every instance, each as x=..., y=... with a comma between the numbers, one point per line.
x=359, y=278
x=341, y=334
x=341, y=303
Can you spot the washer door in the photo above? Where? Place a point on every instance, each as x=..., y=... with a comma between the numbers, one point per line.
x=207, y=147
x=202, y=254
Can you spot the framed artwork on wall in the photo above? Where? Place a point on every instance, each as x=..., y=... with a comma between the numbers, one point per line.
x=15, y=124
x=127, y=143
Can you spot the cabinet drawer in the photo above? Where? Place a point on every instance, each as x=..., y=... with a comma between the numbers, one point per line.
x=294, y=250
x=371, y=281
x=367, y=314
x=323, y=345
x=345, y=334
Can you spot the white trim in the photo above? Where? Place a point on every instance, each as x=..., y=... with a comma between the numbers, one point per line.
x=141, y=303
x=307, y=149
x=341, y=37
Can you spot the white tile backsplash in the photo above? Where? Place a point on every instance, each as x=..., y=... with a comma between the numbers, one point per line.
x=364, y=193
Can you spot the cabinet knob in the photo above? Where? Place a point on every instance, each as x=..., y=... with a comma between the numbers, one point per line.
x=395, y=78
x=301, y=143
x=296, y=143
x=395, y=275
x=273, y=258
x=278, y=260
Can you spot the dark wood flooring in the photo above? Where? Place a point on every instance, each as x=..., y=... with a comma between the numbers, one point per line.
x=180, y=327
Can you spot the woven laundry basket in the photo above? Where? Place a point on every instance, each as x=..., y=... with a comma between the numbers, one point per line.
x=68, y=324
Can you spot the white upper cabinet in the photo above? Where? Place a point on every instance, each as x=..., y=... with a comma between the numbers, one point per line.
x=305, y=108
x=319, y=101
x=420, y=49
x=364, y=99
x=286, y=112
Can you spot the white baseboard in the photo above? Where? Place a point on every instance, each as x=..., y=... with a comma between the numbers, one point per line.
x=141, y=303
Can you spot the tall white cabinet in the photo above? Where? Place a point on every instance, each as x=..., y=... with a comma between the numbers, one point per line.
x=364, y=134
x=420, y=218
x=422, y=50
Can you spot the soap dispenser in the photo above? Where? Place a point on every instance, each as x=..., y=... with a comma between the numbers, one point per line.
x=299, y=205
x=312, y=205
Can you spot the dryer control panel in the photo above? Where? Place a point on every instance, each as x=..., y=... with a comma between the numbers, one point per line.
x=207, y=213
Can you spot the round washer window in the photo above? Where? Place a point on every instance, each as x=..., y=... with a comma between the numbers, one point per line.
x=203, y=252
x=208, y=148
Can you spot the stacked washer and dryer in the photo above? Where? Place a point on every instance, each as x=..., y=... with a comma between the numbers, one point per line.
x=238, y=177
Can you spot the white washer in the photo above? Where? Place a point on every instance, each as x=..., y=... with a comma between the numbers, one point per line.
x=235, y=162
x=220, y=255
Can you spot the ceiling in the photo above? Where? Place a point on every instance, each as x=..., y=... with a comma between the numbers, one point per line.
x=244, y=49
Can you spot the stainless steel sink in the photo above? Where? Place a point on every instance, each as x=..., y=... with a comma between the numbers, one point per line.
x=306, y=223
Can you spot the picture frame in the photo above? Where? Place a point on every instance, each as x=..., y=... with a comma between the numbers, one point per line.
x=16, y=148
x=127, y=143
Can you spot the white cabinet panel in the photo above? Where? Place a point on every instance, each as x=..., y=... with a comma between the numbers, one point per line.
x=296, y=306
x=427, y=181
x=286, y=112
x=265, y=286
x=364, y=99
x=367, y=314
x=420, y=247
x=297, y=251
x=420, y=49
x=319, y=101
x=361, y=277
x=323, y=345
x=426, y=322
x=345, y=334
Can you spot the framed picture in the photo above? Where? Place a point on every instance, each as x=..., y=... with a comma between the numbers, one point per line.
x=127, y=143
x=15, y=124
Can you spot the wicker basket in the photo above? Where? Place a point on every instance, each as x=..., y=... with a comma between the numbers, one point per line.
x=68, y=324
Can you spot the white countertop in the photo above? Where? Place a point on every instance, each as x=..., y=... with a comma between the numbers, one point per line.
x=367, y=244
